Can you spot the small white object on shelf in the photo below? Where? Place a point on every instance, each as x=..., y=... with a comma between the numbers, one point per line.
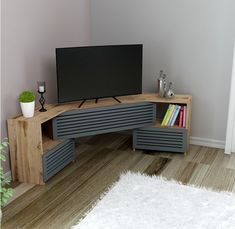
x=41, y=86
x=41, y=89
x=28, y=109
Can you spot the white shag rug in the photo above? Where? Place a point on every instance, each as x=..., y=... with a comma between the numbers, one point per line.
x=138, y=201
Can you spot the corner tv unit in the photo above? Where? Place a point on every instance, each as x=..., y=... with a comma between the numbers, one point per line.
x=94, y=72
x=43, y=145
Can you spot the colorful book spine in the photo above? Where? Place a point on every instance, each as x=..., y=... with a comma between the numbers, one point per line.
x=167, y=115
x=181, y=117
x=177, y=110
x=167, y=112
x=172, y=115
x=184, y=116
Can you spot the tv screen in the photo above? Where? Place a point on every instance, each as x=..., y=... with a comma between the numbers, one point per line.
x=98, y=71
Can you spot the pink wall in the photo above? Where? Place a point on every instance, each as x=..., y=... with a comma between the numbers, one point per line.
x=31, y=30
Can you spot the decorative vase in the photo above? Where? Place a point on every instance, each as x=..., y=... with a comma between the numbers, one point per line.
x=28, y=109
x=170, y=93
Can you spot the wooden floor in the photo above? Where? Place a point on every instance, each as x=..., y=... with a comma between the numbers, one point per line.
x=67, y=196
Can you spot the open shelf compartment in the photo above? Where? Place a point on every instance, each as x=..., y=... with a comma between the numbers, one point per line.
x=161, y=109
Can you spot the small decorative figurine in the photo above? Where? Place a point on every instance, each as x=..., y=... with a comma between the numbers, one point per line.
x=41, y=91
x=162, y=87
x=170, y=93
x=162, y=84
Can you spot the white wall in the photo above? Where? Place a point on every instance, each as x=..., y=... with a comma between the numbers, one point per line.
x=230, y=133
x=191, y=39
x=31, y=30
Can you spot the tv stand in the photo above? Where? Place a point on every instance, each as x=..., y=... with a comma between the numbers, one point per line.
x=96, y=101
x=43, y=145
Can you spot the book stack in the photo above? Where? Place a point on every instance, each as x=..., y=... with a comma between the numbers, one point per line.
x=175, y=115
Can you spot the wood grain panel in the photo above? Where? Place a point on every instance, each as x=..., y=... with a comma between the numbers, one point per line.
x=54, y=110
x=157, y=166
x=26, y=149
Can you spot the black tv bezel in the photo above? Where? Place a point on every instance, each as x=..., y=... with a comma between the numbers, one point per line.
x=101, y=97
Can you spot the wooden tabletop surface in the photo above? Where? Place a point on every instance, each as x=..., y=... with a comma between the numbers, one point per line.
x=54, y=110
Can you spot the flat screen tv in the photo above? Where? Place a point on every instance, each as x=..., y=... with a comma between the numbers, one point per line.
x=98, y=71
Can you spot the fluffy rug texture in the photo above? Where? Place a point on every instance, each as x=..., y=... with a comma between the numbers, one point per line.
x=138, y=201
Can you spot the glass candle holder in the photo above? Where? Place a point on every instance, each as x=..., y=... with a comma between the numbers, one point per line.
x=42, y=86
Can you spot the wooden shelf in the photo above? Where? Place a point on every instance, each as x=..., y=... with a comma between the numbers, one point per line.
x=54, y=110
x=48, y=143
x=158, y=125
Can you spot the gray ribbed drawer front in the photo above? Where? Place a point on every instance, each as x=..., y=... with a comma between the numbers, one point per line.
x=91, y=121
x=57, y=158
x=160, y=139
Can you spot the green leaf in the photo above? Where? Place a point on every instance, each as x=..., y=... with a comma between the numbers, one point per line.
x=27, y=97
x=2, y=157
x=5, y=191
x=5, y=144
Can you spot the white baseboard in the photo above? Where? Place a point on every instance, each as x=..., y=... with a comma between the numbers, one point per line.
x=207, y=142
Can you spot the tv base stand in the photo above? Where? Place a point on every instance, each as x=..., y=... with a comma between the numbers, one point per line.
x=116, y=99
x=96, y=101
x=80, y=105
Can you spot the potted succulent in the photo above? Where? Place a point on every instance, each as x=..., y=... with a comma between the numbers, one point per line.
x=5, y=190
x=27, y=103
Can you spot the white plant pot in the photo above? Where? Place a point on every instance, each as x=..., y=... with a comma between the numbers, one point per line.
x=28, y=109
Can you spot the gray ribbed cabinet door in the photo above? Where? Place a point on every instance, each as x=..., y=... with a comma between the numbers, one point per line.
x=57, y=158
x=91, y=121
x=160, y=139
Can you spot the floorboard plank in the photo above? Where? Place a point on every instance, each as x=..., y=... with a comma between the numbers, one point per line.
x=157, y=166
x=101, y=159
